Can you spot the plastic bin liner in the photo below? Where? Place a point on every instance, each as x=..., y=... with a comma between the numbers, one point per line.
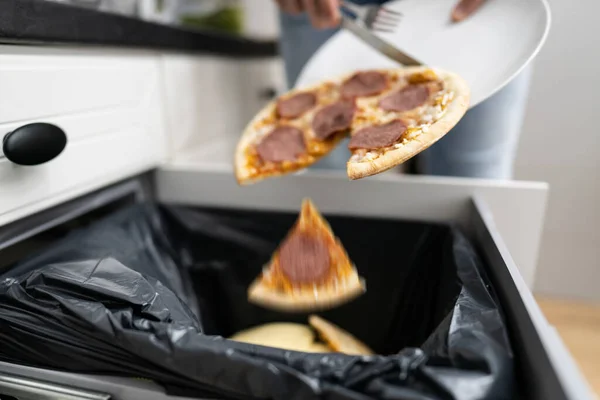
x=116, y=298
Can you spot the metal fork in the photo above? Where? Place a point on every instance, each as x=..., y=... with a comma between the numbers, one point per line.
x=376, y=18
x=366, y=19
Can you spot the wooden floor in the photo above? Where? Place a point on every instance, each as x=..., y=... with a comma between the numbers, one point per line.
x=579, y=326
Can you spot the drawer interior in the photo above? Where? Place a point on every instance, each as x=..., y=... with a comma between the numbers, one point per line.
x=420, y=286
x=538, y=369
x=517, y=207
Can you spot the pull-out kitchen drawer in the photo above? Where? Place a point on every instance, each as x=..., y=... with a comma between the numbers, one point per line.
x=545, y=369
x=504, y=219
x=107, y=102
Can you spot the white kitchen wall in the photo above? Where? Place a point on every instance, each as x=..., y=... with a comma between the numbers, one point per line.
x=561, y=145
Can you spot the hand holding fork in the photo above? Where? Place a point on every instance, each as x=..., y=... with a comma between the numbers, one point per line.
x=363, y=20
x=327, y=13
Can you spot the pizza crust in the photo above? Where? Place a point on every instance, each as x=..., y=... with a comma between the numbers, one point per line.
x=283, y=335
x=304, y=302
x=338, y=339
x=454, y=112
x=319, y=348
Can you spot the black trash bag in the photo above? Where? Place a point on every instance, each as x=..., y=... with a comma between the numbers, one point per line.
x=428, y=310
x=136, y=236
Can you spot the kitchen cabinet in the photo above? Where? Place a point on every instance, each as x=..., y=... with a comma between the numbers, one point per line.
x=209, y=99
x=109, y=104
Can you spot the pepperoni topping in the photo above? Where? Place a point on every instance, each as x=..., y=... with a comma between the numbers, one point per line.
x=296, y=105
x=405, y=99
x=333, y=118
x=376, y=137
x=364, y=84
x=284, y=143
x=304, y=259
x=465, y=8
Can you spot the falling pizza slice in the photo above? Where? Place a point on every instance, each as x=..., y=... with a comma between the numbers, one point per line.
x=309, y=271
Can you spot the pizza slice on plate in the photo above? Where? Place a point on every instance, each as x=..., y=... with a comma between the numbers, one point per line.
x=391, y=115
x=309, y=271
x=417, y=110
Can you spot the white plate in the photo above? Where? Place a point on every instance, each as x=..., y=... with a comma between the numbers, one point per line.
x=488, y=49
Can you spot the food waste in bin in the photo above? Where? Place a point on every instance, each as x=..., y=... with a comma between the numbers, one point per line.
x=310, y=271
x=161, y=292
x=329, y=338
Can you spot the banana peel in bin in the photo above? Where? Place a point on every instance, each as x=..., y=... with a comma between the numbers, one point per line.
x=309, y=271
x=330, y=338
x=282, y=335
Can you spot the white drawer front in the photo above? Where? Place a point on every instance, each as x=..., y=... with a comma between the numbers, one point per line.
x=108, y=104
x=86, y=93
x=259, y=77
x=211, y=99
x=82, y=167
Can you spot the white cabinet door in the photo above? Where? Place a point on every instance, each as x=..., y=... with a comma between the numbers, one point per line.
x=209, y=100
x=262, y=80
x=107, y=102
x=201, y=100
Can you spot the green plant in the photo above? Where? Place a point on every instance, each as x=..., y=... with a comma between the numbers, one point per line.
x=228, y=19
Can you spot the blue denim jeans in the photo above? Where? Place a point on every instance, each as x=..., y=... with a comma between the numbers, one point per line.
x=482, y=145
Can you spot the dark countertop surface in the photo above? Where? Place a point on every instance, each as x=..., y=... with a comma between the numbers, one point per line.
x=37, y=21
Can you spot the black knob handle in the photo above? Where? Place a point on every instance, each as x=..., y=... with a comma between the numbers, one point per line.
x=34, y=144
